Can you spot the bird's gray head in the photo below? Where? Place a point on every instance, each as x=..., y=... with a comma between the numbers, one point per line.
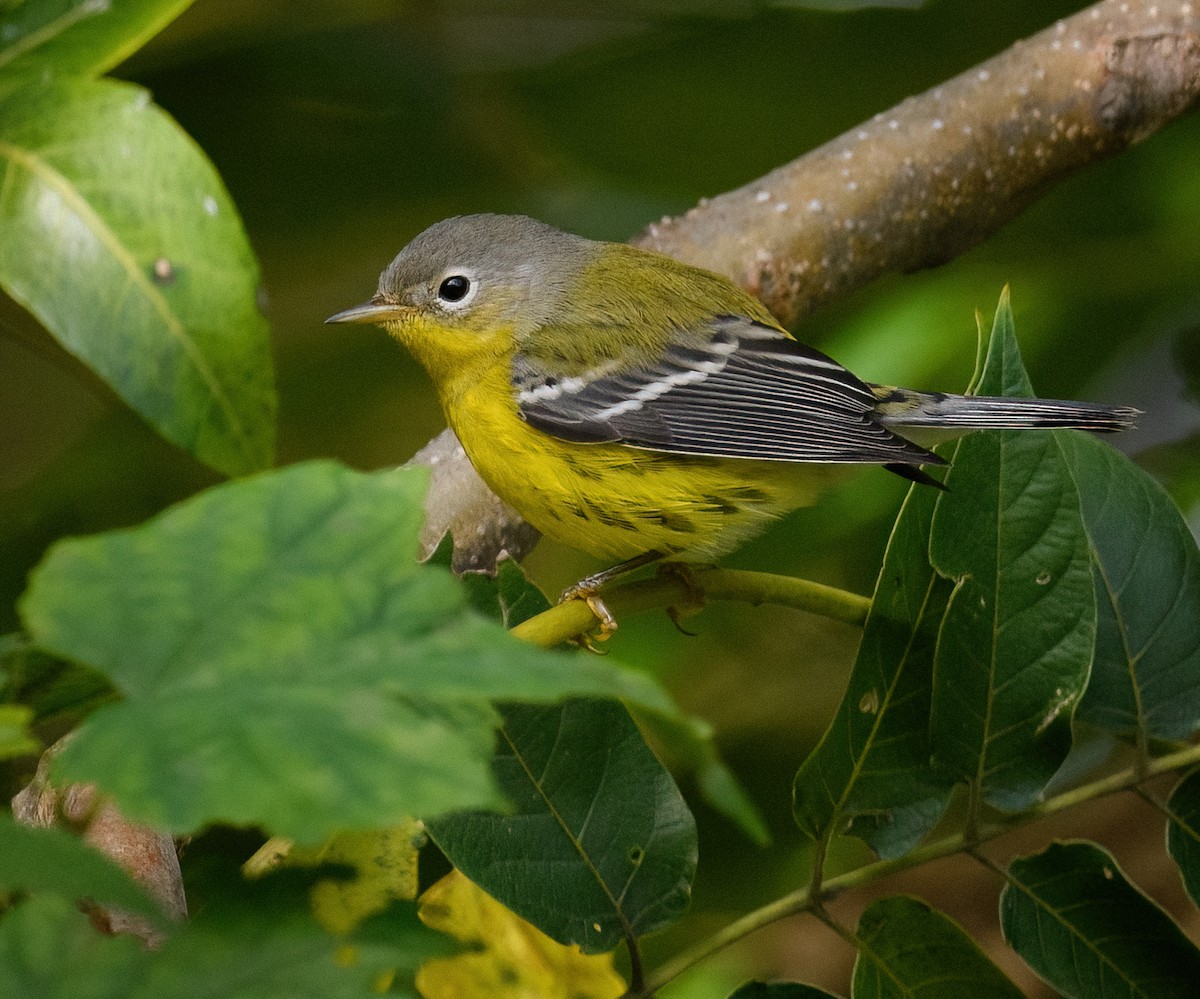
x=496, y=268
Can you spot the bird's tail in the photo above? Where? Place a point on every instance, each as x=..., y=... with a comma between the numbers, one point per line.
x=903, y=409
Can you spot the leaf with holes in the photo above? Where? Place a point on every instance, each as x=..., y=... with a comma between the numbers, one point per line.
x=1074, y=918
x=1016, y=642
x=121, y=239
x=600, y=846
x=870, y=774
x=908, y=948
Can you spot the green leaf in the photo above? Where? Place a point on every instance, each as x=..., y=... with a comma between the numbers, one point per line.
x=1183, y=831
x=1016, y=642
x=286, y=661
x=121, y=239
x=870, y=774
x=600, y=846
x=54, y=862
x=509, y=596
x=1074, y=918
x=512, y=598
x=907, y=948
x=263, y=946
x=1146, y=674
x=780, y=990
x=80, y=37
x=48, y=949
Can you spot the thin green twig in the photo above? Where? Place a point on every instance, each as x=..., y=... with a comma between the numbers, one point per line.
x=803, y=900
x=574, y=618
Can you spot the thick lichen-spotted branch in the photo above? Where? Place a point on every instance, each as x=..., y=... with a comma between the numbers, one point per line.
x=919, y=184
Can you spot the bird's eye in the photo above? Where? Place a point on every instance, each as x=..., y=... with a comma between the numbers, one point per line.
x=454, y=288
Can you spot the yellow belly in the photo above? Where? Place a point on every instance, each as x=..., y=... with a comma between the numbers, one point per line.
x=616, y=502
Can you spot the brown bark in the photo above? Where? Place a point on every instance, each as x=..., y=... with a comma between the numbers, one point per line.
x=148, y=856
x=919, y=184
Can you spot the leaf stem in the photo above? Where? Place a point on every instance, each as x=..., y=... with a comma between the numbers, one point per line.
x=804, y=900
x=637, y=970
x=817, y=881
x=574, y=618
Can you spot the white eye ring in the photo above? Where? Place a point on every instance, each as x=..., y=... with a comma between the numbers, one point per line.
x=456, y=290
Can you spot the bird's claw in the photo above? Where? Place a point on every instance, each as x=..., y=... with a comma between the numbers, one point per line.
x=694, y=601
x=606, y=623
x=588, y=590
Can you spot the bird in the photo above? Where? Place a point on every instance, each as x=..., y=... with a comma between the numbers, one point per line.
x=638, y=408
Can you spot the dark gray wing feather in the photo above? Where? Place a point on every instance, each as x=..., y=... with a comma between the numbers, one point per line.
x=742, y=391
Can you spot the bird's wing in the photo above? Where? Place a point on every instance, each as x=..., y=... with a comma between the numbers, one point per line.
x=735, y=389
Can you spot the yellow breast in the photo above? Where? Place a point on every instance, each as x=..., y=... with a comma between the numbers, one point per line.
x=608, y=500
x=614, y=501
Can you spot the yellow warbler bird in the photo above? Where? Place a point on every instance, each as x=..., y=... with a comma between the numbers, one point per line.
x=635, y=407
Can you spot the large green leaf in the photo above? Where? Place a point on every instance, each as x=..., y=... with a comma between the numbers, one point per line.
x=1146, y=674
x=1016, y=643
x=286, y=661
x=907, y=948
x=600, y=846
x=120, y=237
x=1183, y=832
x=1074, y=918
x=48, y=949
x=871, y=773
x=512, y=598
x=80, y=37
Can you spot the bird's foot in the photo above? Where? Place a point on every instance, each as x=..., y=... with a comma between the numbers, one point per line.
x=606, y=623
x=588, y=590
x=694, y=600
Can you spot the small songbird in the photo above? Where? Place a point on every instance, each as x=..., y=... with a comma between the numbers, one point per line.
x=635, y=407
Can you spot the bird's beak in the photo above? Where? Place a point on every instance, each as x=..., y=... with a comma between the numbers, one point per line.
x=371, y=312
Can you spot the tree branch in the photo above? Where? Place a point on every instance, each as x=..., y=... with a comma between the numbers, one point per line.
x=937, y=174
x=574, y=618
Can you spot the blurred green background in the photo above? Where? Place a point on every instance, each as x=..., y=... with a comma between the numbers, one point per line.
x=344, y=129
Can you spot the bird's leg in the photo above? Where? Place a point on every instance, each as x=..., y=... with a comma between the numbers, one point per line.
x=588, y=590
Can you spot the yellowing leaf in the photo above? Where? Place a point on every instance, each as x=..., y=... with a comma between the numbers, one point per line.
x=516, y=960
x=385, y=859
x=15, y=739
